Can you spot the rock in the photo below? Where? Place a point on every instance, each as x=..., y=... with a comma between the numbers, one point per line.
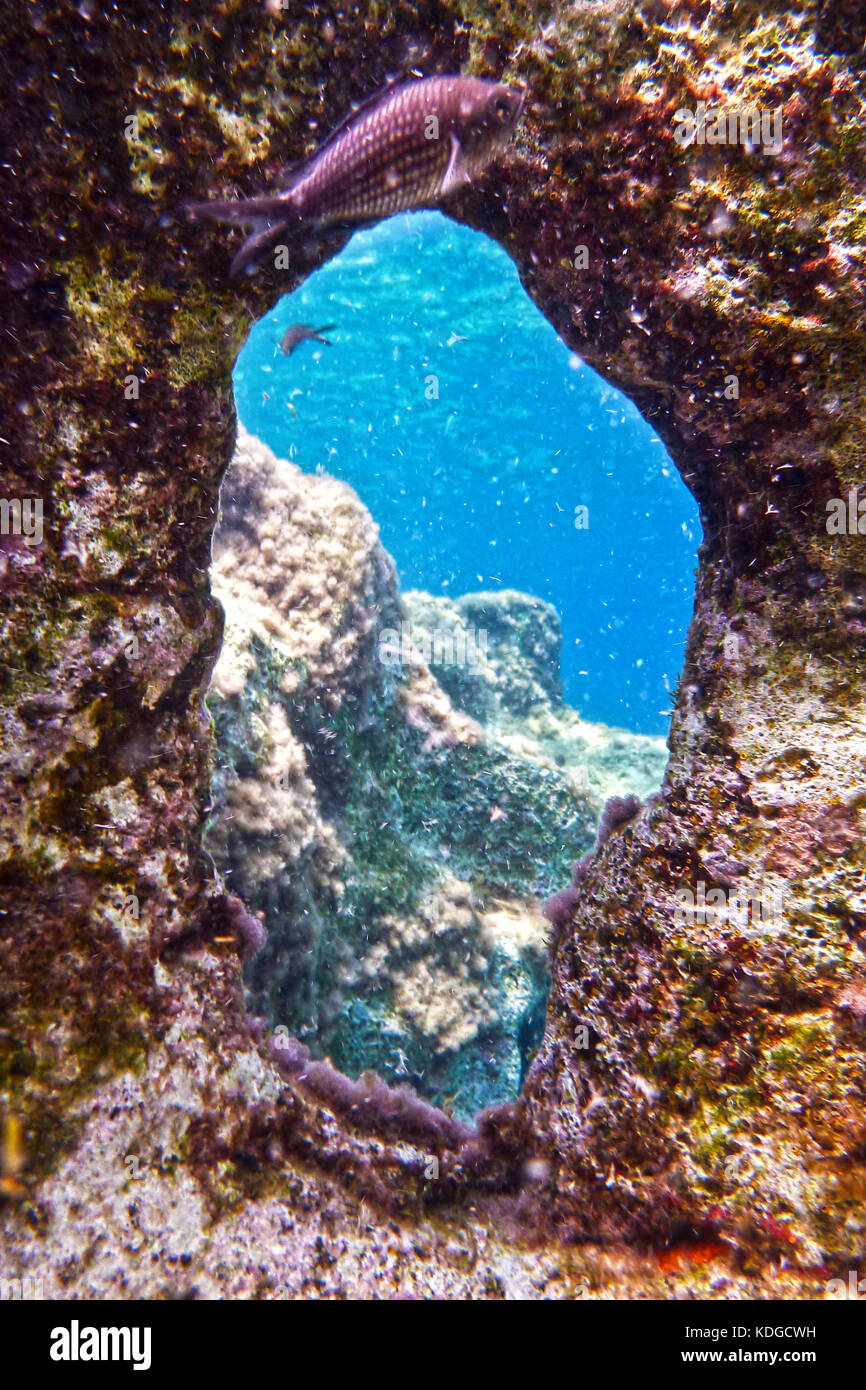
x=721, y=288
x=514, y=642
x=397, y=848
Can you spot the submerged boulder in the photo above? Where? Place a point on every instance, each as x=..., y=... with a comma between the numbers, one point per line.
x=513, y=642
x=396, y=847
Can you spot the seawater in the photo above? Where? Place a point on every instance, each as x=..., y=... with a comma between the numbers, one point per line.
x=476, y=439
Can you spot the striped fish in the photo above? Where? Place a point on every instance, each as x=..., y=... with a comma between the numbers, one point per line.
x=407, y=147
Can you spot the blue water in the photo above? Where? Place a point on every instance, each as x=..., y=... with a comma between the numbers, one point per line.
x=478, y=489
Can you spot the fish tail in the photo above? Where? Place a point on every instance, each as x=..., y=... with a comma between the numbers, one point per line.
x=246, y=211
x=264, y=236
x=269, y=218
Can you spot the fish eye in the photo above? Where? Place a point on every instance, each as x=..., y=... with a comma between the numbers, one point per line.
x=501, y=107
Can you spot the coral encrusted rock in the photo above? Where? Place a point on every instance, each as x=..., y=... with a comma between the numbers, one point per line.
x=699, y=1088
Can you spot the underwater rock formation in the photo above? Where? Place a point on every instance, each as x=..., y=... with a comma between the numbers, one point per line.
x=513, y=687
x=518, y=663
x=395, y=847
x=695, y=1075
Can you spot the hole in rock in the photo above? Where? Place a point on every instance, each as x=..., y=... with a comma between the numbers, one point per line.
x=457, y=569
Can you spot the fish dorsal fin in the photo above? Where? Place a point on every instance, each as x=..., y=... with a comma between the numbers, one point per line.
x=292, y=173
x=296, y=171
x=456, y=173
x=356, y=112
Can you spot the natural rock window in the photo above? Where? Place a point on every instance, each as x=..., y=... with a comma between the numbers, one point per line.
x=402, y=772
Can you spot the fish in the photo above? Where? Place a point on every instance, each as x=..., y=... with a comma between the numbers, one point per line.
x=300, y=332
x=407, y=146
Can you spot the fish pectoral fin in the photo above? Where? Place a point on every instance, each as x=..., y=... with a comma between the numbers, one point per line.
x=456, y=173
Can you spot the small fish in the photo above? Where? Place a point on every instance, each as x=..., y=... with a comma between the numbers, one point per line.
x=406, y=147
x=300, y=332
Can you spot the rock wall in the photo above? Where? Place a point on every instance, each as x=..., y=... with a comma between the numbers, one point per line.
x=692, y=1078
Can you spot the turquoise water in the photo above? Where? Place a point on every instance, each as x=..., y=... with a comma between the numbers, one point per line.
x=473, y=435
